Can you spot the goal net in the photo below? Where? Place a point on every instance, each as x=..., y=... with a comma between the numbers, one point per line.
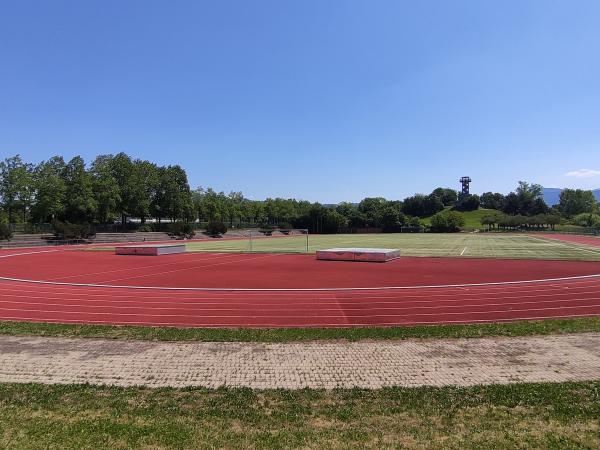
x=277, y=241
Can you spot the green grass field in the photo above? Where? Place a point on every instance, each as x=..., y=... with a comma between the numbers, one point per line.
x=411, y=244
x=475, y=245
x=548, y=416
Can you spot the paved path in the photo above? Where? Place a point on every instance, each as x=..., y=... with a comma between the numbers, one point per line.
x=296, y=365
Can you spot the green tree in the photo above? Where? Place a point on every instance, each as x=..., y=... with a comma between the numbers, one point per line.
x=122, y=170
x=334, y=222
x=147, y=182
x=210, y=205
x=529, y=191
x=391, y=219
x=468, y=203
x=576, y=201
x=137, y=181
x=491, y=200
x=448, y=196
x=49, y=190
x=422, y=205
x=447, y=221
x=356, y=219
x=80, y=204
x=526, y=200
x=16, y=188
x=371, y=208
x=106, y=188
x=176, y=201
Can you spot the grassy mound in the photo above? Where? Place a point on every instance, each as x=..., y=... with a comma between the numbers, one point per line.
x=472, y=218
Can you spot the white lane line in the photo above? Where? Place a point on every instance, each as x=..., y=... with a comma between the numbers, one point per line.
x=332, y=289
x=463, y=252
x=245, y=316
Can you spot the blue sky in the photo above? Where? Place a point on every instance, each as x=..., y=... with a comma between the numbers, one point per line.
x=324, y=100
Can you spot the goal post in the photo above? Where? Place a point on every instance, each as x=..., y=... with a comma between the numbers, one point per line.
x=294, y=240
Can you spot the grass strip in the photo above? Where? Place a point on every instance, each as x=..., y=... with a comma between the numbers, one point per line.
x=549, y=416
x=520, y=328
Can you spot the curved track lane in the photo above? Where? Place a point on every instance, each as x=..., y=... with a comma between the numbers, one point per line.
x=22, y=301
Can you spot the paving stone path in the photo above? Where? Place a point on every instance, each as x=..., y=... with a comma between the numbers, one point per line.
x=368, y=364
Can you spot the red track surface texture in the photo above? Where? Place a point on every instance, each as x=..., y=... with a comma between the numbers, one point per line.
x=392, y=293
x=574, y=238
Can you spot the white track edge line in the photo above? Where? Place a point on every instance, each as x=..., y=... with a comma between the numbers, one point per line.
x=334, y=289
x=342, y=289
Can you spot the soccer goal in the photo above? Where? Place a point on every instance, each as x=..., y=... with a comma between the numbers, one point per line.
x=277, y=241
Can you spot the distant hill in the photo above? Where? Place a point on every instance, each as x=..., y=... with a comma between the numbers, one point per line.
x=552, y=195
x=472, y=218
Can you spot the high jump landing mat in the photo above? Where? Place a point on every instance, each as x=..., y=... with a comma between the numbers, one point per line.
x=150, y=249
x=359, y=254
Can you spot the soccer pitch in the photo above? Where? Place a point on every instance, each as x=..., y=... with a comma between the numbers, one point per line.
x=426, y=244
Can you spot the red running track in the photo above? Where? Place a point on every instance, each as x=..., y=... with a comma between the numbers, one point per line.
x=572, y=238
x=399, y=301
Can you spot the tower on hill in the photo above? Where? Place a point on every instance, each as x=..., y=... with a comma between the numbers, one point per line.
x=465, y=181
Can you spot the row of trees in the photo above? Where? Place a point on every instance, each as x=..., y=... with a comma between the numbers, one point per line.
x=112, y=187
x=234, y=208
x=506, y=221
x=117, y=187
x=524, y=207
x=528, y=200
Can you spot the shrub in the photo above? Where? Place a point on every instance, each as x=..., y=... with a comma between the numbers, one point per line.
x=5, y=232
x=492, y=219
x=447, y=221
x=67, y=230
x=413, y=222
x=267, y=230
x=181, y=229
x=285, y=227
x=587, y=220
x=146, y=228
x=553, y=220
x=216, y=228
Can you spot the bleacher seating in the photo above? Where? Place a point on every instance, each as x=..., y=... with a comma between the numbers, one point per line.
x=105, y=238
x=36, y=240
